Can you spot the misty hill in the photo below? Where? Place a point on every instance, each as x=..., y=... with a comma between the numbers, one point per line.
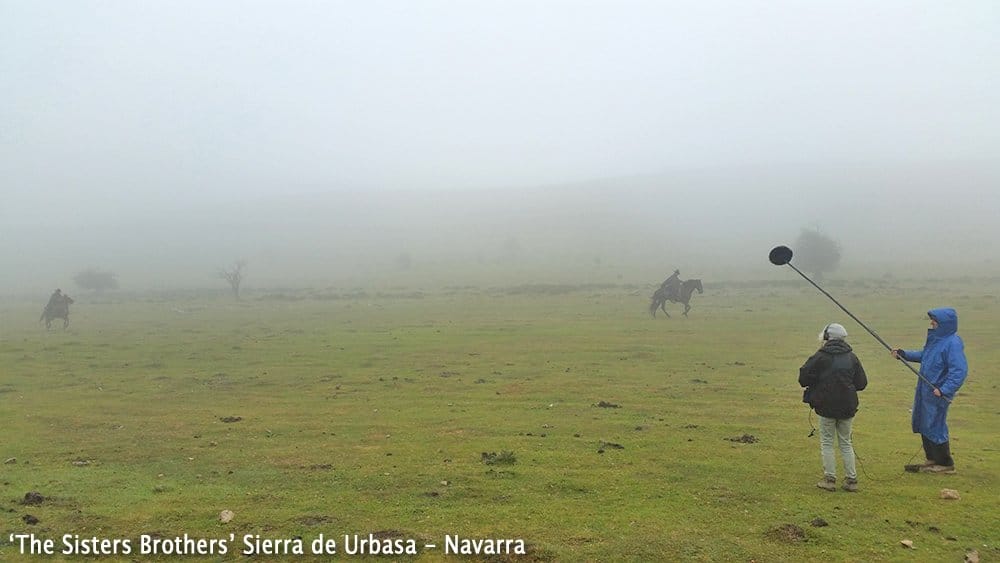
x=634, y=229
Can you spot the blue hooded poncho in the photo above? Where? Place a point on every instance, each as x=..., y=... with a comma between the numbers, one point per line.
x=942, y=362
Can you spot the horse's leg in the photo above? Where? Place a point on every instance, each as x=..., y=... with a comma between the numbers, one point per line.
x=686, y=309
x=663, y=305
x=65, y=322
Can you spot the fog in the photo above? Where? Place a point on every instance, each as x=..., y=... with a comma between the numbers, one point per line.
x=492, y=142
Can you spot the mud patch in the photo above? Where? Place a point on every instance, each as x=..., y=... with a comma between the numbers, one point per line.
x=744, y=439
x=32, y=498
x=231, y=418
x=607, y=405
x=787, y=533
x=502, y=458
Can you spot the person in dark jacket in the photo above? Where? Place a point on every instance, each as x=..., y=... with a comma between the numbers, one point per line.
x=672, y=286
x=943, y=365
x=55, y=300
x=832, y=378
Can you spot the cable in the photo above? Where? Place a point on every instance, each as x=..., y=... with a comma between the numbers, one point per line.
x=865, y=471
x=857, y=458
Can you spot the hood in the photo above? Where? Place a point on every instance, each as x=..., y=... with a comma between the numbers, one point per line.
x=836, y=346
x=947, y=320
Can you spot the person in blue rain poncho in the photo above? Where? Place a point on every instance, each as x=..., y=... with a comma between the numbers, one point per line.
x=943, y=365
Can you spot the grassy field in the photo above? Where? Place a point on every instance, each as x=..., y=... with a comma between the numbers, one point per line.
x=333, y=413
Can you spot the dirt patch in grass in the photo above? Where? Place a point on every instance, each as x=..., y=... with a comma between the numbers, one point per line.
x=32, y=498
x=611, y=445
x=502, y=458
x=787, y=533
x=744, y=439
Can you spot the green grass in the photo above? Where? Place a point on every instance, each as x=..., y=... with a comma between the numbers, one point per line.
x=370, y=413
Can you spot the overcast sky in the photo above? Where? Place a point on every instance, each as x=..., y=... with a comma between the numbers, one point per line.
x=139, y=105
x=126, y=97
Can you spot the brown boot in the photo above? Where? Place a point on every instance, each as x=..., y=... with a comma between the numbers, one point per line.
x=828, y=483
x=851, y=485
x=917, y=467
x=945, y=469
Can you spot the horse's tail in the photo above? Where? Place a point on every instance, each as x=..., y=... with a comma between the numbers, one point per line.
x=654, y=302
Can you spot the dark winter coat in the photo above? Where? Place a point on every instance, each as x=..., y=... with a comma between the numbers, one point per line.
x=833, y=376
x=943, y=363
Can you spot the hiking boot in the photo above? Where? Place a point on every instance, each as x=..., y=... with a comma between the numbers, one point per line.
x=828, y=483
x=851, y=485
x=946, y=469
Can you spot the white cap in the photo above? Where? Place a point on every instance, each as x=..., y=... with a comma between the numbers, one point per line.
x=832, y=331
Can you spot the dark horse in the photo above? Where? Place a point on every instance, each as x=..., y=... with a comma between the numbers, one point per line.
x=57, y=310
x=662, y=295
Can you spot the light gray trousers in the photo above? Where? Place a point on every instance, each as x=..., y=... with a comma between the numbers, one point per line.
x=831, y=429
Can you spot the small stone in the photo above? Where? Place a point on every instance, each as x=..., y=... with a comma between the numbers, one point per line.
x=972, y=556
x=10, y=461
x=908, y=544
x=31, y=521
x=81, y=463
x=950, y=494
x=226, y=516
x=445, y=483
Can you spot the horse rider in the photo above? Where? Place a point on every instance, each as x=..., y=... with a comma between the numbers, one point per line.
x=672, y=286
x=55, y=300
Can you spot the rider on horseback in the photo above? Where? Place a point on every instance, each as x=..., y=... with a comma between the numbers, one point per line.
x=672, y=286
x=55, y=300
x=56, y=308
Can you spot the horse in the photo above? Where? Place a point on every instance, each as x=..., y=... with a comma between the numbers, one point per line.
x=662, y=295
x=58, y=310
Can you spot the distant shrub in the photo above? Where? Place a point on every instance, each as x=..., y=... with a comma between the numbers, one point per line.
x=95, y=279
x=816, y=252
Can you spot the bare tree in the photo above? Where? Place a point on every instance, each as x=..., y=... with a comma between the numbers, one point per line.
x=234, y=275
